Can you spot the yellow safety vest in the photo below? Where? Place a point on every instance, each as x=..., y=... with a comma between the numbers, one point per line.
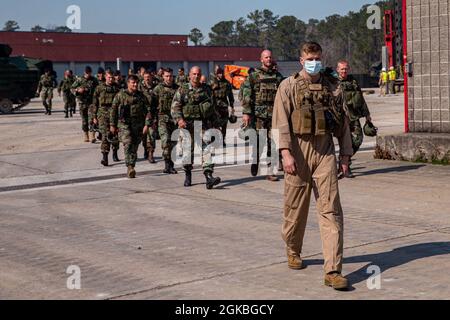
x=384, y=77
x=392, y=75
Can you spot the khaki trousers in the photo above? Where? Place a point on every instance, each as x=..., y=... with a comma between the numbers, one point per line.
x=316, y=170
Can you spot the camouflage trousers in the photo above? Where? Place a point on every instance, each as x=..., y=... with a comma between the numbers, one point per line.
x=166, y=127
x=91, y=117
x=69, y=102
x=103, y=117
x=207, y=163
x=264, y=123
x=357, y=135
x=131, y=137
x=84, y=113
x=47, y=96
x=223, y=120
x=149, y=140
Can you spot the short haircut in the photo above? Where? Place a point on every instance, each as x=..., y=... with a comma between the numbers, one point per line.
x=168, y=70
x=147, y=72
x=133, y=77
x=109, y=72
x=343, y=61
x=88, y=69
x=310, y=47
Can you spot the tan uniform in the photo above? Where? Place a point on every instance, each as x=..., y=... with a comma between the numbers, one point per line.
x=316, y=170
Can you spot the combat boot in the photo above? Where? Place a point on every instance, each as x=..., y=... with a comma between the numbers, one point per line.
x=70, y=113
x=131, y=172
x=49, y=112
x=172, y=167
x=295, y=262
x=67, y=115
x=151, y=158
x=211, y=182
x=146, y=154
x=272, y=178
x=115, y=157
x=254, y=170
x=86, y=137
x=188, y=179
x=105, y=159
x=167, y=167
x=336, y=281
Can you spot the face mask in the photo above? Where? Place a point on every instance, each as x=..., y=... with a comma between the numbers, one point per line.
x=313, y=67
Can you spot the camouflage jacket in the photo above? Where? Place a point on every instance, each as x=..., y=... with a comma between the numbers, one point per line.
x=180, y=80
x=163, y=97
x=65, y=85
x=259, y=91
x=130, y=109
x=355, y=105
x=47, y=82
x=104, y=96
x=223, y=92
x=192, y=104
x=89, y=85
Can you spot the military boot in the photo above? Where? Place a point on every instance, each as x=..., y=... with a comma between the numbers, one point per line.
x=295, y=262
x=151, y=158
x=272, y=178
x=86, y=137
x=336, y=281
x=49, y=112
x=67, y=114
x=172, y=167
x=211, y=182
x=188, y=179
x=115, y=157
x=131, y=172
x=105, y=159
x=146, y=154
x=71, y=114
x=167, y=167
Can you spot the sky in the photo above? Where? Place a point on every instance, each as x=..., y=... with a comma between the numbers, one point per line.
x=162, y=16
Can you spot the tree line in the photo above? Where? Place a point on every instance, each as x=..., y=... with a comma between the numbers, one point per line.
x=342, y=37
x=12, y=25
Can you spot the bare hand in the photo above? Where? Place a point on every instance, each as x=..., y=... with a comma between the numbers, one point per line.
x=369, y=118
x=289, y=164
x=113, y=130
x=95, y=121
x=246, y=120
x=345, y=165
x=145, y=131
x=182, y=124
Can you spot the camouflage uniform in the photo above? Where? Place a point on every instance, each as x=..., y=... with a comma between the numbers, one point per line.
x=163, y=97
x=258, y=96
x=103, y=98
x=45, y=88
x=70, y=103
x=85, y=99
x=355, y=108
x=149, y=141
x=130, y=112
x=223, y=94
x=196, y=104
x=181, y=80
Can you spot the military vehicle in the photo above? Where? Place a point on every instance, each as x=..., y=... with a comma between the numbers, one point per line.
x=19, y=78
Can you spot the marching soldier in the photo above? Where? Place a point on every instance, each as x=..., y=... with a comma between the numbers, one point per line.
x=163, y=96
x=149, y=141
x=223, y=95
x=103, y=98
x=130, y=118
x=84, y=89
x=45, y=89
x=64, y=88
x=194, y=102
x=258, y=94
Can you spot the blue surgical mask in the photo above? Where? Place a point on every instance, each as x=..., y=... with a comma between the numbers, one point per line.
x=313, y=67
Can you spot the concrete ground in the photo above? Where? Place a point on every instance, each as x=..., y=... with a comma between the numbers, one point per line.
x=151, y=238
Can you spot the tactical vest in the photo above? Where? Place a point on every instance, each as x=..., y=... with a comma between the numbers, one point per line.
x=47, y=81
x=107, y=94
x=198, y=103
x=133, y=107
x=220, y=90
x=165, y=98
x=315, y=112
x=266, y=86
x=89, y=86
x=67, y=85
